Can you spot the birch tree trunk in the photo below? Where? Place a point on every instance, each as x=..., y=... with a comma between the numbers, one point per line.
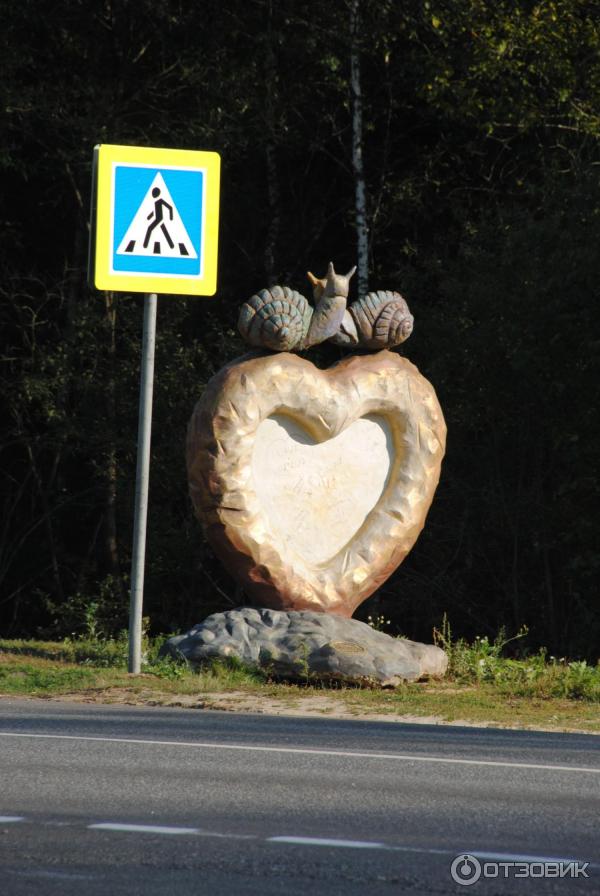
x=360, y=201
x=273, y=192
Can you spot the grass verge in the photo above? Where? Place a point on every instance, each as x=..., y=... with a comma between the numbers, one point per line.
x=481, y=688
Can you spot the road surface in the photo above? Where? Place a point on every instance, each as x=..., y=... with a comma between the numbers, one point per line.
x=107, y=800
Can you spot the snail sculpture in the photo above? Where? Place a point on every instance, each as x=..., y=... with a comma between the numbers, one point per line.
x=281, y=319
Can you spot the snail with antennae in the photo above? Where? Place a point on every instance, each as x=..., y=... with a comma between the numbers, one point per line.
x=281, y=319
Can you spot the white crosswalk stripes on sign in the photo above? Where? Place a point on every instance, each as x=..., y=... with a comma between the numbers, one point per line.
x=157, y=228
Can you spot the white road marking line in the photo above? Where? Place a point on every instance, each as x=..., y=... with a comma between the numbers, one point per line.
x=450, y=853
x=53, y=875
x=289, y=839
x=515, y=857
x=368, y=844
x=348, y=754
x=426, y=850
x=324, y=841
x=142, y=828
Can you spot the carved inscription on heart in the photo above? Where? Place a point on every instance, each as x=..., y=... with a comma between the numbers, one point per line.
x=313, y=485
x=316, y=496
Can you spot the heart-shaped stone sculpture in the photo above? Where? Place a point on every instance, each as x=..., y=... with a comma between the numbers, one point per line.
x=313, y=485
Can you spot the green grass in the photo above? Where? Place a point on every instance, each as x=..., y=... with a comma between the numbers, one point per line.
x=482, y=687
x=41, y=679
x=537, y=675
x=100, y=653
x=87, y=664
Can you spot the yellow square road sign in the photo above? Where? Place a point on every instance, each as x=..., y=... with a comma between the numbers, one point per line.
x=155, y=220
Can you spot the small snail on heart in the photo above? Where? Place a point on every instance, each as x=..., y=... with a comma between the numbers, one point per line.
x=281, y=319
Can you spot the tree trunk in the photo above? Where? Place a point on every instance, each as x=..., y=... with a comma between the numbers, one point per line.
x=360, y=201
x=43, y=492
x=273, y=192
x=110, y=499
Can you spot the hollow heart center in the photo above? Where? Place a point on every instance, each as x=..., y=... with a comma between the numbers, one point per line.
x=315, y=496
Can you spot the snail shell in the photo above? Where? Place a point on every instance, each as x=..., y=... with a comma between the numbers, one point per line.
x=276, y=318
x=382, y=319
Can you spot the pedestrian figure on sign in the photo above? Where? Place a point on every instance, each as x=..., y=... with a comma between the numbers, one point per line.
x=157, y=214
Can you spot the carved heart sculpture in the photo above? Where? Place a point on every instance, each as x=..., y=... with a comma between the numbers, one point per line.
x=313, y=485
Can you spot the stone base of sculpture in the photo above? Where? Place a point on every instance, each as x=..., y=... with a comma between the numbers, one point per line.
x=307, y=646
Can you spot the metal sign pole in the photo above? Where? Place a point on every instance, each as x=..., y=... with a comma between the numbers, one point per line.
x=154, y=228
x=141, y=485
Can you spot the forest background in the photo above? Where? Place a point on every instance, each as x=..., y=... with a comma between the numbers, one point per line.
x=480, y=160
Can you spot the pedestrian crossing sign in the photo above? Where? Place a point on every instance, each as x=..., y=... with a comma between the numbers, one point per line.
x=155, y=220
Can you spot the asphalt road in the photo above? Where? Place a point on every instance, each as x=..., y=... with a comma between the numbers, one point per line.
x=109, y=800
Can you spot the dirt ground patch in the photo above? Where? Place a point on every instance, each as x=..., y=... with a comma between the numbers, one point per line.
x=314, y=706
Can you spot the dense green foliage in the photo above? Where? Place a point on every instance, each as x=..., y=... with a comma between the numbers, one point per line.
x=481, y=134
